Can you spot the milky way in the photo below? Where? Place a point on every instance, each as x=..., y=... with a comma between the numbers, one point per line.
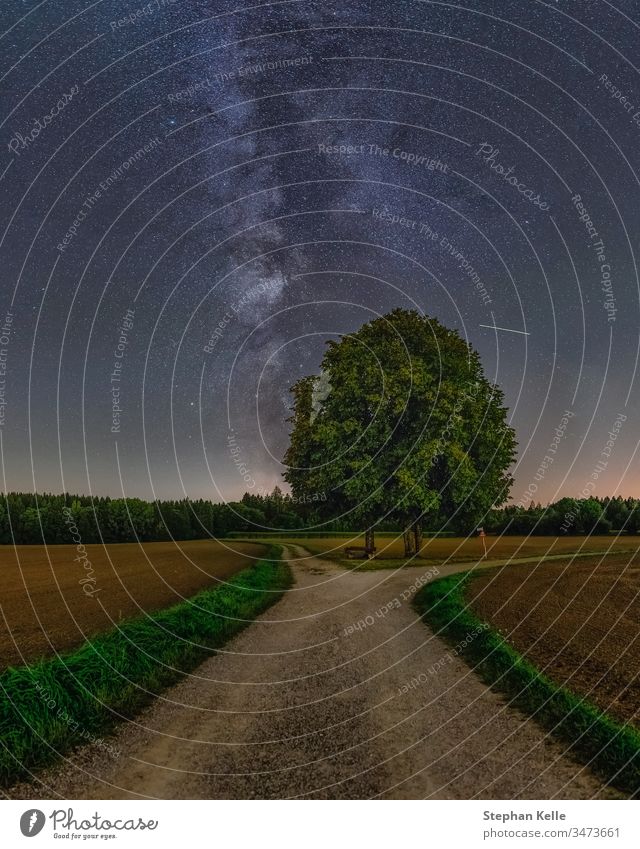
x=198, y=195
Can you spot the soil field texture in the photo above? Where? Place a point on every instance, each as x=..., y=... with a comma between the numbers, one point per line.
x=579, y=623
x=46, y=609
x=440, y=550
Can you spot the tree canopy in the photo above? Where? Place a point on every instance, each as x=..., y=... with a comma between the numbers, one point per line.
x=401, y=424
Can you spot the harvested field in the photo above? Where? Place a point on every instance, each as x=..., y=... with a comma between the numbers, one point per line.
x=439, y=550
x=579, y=623
x=45, y=609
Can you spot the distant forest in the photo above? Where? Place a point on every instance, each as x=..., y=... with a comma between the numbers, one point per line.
x=568, y=516
x=26, y=518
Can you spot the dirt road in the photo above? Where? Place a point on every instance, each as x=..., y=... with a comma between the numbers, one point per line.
x=302, y=704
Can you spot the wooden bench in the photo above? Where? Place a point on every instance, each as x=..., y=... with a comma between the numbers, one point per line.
x=358, y=552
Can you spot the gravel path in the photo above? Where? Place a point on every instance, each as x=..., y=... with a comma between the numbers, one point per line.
x=301, y=704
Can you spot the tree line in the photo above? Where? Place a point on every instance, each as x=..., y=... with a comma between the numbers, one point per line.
x=32, y=519
x=568, y=516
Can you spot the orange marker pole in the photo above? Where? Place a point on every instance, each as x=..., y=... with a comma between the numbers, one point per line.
x=484, y=541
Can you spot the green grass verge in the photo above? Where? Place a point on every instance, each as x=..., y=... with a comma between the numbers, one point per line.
x=55, y=704
x=611, y=749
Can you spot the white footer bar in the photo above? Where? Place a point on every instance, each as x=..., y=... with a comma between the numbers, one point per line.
x=320, y=824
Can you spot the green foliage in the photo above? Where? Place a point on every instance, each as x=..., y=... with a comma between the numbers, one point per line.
x=568, y=516
x=610, y=749
x=32, y=519
x=49, y=707
x=406, y=428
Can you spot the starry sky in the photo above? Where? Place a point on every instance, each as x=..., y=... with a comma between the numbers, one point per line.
x=198, y=194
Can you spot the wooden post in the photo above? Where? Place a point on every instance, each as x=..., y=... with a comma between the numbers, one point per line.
x=484, y=540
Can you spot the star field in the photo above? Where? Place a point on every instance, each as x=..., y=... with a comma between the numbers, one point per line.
x=226, y=187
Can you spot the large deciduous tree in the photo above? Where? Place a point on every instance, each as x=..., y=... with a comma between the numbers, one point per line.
x=401, y=423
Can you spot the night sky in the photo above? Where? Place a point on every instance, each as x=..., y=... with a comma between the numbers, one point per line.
x=198, y=195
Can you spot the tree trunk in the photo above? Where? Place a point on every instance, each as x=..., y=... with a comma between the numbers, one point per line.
x=369, y=543
x=409, y=541
x=417, y=535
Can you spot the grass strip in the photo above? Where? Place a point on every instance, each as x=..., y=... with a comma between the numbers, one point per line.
x=55, y=704
x=611, y=749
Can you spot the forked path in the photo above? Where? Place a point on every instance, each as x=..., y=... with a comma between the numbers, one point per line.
x=302, y=704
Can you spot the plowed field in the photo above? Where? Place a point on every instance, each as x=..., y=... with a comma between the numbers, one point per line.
x=50, y=602
x=579, y=622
